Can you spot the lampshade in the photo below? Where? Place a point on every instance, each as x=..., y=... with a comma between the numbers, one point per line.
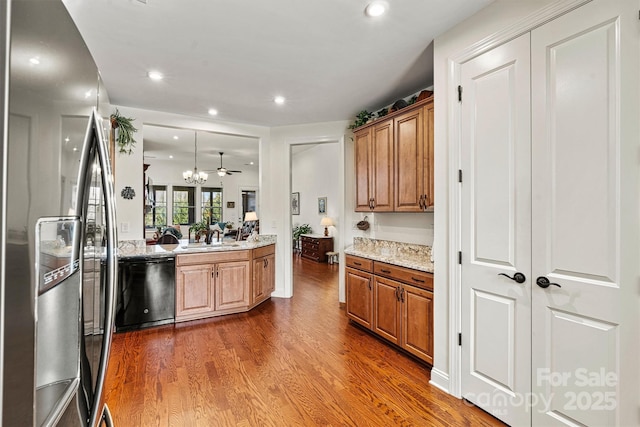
x=250, y=216
x=326, y=221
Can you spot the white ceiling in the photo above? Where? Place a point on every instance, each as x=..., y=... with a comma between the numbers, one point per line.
x=325, y=57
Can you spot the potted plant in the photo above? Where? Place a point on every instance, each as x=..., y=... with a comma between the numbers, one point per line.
x=362, y=118
x=298, y=231
x=125, y=132
x=199, y=229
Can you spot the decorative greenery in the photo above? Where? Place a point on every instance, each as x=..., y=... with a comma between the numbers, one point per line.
x=299, y=230
x=362, y=118
x=383, y=112
x=125, y=139
x=199, y=228
x=412, y=100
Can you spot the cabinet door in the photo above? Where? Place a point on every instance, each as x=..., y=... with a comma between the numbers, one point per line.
x=363, y=170
x=264, y=278
x=428, y=158
x=386, y=309
x=382, y=167
x=269, y=276
x=232, y=285
x=359, y=297
x=409, y=157
x=417, y=322
x=193, y=291
x=257, y=292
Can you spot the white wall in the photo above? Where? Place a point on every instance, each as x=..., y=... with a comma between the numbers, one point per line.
x=496, y=17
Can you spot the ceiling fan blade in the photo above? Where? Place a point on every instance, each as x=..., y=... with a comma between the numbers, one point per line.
x=235, y=171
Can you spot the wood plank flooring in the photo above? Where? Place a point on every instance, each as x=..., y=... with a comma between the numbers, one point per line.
x=289, y=362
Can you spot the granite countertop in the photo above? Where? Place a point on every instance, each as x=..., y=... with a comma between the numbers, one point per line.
x=166, y=251
x=417, y=257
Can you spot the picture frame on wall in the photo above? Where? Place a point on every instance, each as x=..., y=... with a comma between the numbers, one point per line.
x=231, y=205
x=322, y=205
x=295, y=203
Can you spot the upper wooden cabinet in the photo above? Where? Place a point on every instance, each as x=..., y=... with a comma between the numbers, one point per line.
x=374, y=168
x=394, y=161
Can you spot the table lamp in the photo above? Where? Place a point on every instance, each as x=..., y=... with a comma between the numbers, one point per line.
x=250, y=216
x=326, y=222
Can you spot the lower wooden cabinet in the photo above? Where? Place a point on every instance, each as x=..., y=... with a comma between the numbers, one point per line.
x=359, y=298
x=217, y=283
x=264, y=274
x=380, y=298
x=194, y=290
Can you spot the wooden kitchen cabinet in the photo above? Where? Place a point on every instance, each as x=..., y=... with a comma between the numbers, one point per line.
x=374, y=168
x=413, y=146
x=400, y=308
x=194, y=291
x=264, y=274
x=394, y=161
x=210, y=284
x=231, y=285
x=359, y=290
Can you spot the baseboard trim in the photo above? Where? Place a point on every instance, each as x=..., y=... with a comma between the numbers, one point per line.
x=440, y=380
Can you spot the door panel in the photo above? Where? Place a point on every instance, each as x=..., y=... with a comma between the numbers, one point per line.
x=386, y=308
x=359, y=297
x=493, y=342
x=382, y=168
x=577, y=125
x=496, y=230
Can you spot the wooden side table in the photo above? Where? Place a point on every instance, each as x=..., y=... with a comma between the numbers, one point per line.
x=315, y=247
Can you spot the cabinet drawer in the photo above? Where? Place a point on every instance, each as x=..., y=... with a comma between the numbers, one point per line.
x=264, y=251
x=211, y=257
x=416, y=278
x=359, y=263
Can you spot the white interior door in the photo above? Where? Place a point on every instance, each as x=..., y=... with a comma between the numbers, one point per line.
x=496, y=231
x=583, y=64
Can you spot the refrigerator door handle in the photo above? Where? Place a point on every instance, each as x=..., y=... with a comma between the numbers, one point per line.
x=94, y=130
x=106, y=417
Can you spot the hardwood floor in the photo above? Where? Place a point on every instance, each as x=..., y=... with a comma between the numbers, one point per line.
x=289, y=362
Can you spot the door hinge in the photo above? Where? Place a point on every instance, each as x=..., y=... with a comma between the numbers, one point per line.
x=459, y=175
x=460, y=257
x=460, y=339
x=459, y=93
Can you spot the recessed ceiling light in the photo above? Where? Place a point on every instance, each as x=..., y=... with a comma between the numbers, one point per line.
x=87, y=94
x=75, y=148
x=213, y=111
x=67, y=139
x=155, y=75
x=171, y=157
x=35, y=60
x=376, y=8
x=175, y=137
x=279, y=100
x=251, y=163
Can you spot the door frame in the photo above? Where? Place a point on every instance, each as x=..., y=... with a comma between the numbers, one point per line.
x=452, y=244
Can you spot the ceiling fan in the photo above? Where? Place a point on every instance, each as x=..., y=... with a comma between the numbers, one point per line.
x=222, y=171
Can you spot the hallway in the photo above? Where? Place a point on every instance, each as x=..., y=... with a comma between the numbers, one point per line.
x=289, y=362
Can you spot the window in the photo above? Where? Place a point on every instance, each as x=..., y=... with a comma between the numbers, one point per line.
x=156, y=215
x=184, y=205
x=212, y=204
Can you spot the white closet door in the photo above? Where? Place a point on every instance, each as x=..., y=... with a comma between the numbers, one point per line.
x=496, y=231
x=582, y=66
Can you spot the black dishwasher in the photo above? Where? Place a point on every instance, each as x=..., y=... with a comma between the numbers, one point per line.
x=146, y=292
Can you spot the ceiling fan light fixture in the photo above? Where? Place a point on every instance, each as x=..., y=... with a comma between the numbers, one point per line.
x=221, y=173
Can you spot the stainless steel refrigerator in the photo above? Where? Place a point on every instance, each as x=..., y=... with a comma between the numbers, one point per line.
x=57, y=217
